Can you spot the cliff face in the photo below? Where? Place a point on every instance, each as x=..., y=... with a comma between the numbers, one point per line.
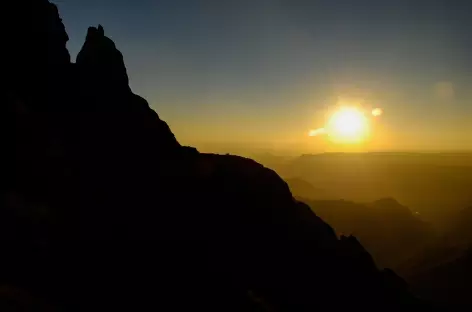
x=102, y=207
x=447, y=283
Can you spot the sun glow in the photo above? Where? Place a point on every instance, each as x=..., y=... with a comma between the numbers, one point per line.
x=348, y=125
x=376, y=112
x=317, y=132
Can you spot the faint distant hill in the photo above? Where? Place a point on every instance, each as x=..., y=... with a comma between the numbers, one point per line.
x=461, y=226
x=435, y=184
x=303, y=189
x=271, y=159
x=438, y=272
x=389, y=230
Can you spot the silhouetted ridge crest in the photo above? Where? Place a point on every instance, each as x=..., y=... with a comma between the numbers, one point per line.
x=101, y=65
x=104, y=86
x=104, y=209
x=35, y=60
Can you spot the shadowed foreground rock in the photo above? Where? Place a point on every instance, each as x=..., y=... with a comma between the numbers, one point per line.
x=447, y=284
x=102, y=208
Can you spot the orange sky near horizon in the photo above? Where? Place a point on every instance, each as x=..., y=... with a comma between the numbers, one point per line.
x=265, y=73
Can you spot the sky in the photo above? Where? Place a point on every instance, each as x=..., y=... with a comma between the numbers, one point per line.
x=265, y=72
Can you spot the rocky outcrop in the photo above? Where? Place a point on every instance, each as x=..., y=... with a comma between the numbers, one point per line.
x=102, y=208
x=447, y=284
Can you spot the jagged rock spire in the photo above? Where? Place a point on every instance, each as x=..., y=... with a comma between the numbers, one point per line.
x=101, y=64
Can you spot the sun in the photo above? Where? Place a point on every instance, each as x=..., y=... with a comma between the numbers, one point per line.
x=348, y=125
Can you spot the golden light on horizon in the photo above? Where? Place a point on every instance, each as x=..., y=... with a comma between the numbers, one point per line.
x=348, y=125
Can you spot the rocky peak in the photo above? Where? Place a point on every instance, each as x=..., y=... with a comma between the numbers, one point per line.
x=101, y=66
x=106, y=210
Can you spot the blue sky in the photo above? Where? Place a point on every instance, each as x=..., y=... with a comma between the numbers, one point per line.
x=266, y=70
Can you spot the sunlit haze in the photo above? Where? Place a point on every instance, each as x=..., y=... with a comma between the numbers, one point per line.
x=267, y=73
x=348, y=125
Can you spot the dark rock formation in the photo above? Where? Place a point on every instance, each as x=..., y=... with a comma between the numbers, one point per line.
x=442, y=273
x=447, y=284
x=102, y=68
x=101, y=207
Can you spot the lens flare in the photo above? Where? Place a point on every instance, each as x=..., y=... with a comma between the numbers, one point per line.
x=376, y=112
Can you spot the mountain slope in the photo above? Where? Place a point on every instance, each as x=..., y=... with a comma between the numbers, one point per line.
x=387, y=229
x=102, y=208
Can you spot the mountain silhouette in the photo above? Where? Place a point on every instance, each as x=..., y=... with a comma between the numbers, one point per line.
x=102, y=208
x=427, y=182
x=447, y=284
x=442, y=272
x=389, y=230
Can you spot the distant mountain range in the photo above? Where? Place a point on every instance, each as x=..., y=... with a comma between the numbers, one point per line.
x=388, y=230
x=434, y=184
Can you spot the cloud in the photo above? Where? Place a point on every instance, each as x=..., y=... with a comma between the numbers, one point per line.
x=444, y=91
